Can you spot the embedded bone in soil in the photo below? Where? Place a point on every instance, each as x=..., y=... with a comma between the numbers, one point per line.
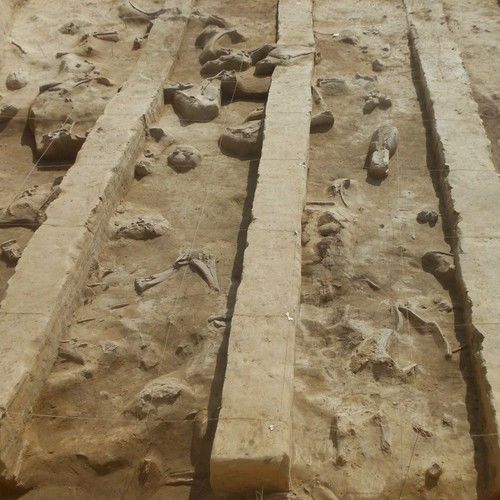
x=197, y=104
x=256, y=114
x=385, y=432
x=108, y=36
x=210, y=19
x=244, y=141
x=28, y=209
x=373, y=353
x=197, y=260
x=339, y=186
x=280, y=56
x=244, y=86
x=10, y=250
x=383, y=145
x=339, y=431
x=235, y=60
x=171, y=88
x=7, y=112
x=145, y=227
x=61, y=118
x=260, y=53
x=322, y=122
x=211, y=49
x=424, y=326
x=184, y=158
x=440, y=265
x=332, y=86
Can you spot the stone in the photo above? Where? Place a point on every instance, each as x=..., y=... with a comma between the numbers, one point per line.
x=243, y=141
x=322, y=122
x=139, y=41
x=200, y=104
x=384, y=102
x=158, y=395
x=427, y=216
x=157, y=133
x=432, y=475
x=332, y=86
x=7, y=112
x=145, y=227
x=441, y=266
x=142, y=169
x=378, y=65
x=348, y=36
x=184, y=158
x=11, y=252
x=329, y=228
x=16, y=80
x=370, y=104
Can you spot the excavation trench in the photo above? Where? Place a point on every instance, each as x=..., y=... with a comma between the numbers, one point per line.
x=378, y=405
x=47, y=45
x=129, y=407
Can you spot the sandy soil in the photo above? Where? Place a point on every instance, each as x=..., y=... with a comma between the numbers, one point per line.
x=476, y=28
x=129, y=409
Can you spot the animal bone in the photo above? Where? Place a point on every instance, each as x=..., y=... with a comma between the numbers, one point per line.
x=437, y=264
x=385, y=432
x=383, y=145
x=425, y=326
x=211, y=50
x=256, y=114
x=339, y=186
x=28, y=209
x=200, y=104
x=236, y=60
x=244, y=141
x=108, y=36
x=235, y=86
x=280, y=56
x=10, y=251
x=202, y=262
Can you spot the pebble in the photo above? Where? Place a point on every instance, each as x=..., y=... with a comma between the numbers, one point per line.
x=384, y=102
x=329, y=228
x=16, y=80
x=370, y=105
x=427, y=216
x=142, y=169
x=432, y=475
x=7, y=112
x=378, y=65
x=347, y=36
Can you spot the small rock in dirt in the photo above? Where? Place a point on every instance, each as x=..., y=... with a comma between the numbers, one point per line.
x=141, y=228
x=7, y=112
x=332, y=86
x=11, y=252
x=448, y=420
x=370, y=105
x=441, y=266
x=157, y=133
x=160, y=392
x=184, y=157
x=70, y=28
x=139, y=42
x=432, y=475
x=244, y=141
x=142, y=169
x=427, y=216
x=365, y=80
x=384, y=102
x=378, y=65
x=348, y=36
x=322, y=122
x=329, y=228
x=16, y=80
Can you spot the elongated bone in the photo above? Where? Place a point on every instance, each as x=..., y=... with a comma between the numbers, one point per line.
x=198, y=260
x=427, y=327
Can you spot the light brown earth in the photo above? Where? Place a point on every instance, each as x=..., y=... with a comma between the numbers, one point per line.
x=363, y=427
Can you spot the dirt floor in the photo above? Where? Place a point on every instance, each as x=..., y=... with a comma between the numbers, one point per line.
x=129, y=409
